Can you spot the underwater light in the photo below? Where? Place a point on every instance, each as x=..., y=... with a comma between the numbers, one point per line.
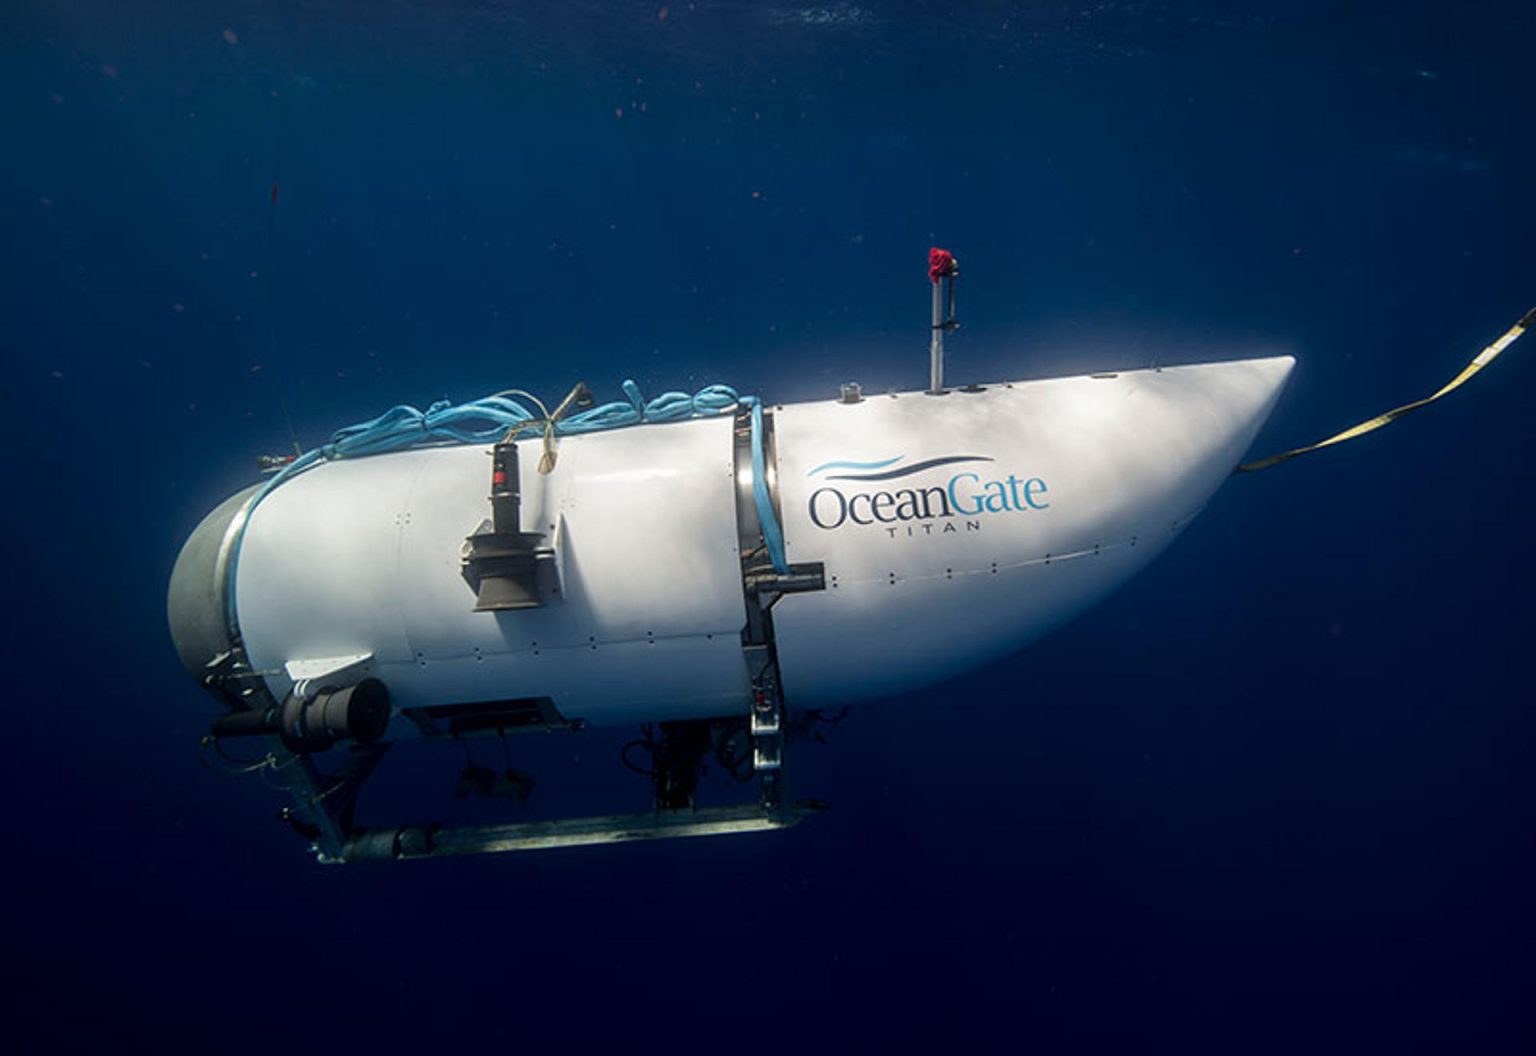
x=304, y=724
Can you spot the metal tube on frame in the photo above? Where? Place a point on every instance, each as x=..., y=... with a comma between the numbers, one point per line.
x=936, y=342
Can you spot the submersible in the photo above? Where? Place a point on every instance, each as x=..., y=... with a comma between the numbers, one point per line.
x=721, y=569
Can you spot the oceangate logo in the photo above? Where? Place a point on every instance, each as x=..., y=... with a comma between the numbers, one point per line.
x=966, y=495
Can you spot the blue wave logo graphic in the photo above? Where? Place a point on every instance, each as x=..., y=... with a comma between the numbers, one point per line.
x=892, y=474
x=854, y=465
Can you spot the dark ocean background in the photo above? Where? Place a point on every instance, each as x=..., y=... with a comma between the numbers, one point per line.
x=1276, y=793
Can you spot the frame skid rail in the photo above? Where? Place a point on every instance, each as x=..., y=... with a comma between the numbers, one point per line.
x=427, y=841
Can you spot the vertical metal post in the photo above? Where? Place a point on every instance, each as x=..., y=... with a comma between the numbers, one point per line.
x=942, y=269
x=936, y=342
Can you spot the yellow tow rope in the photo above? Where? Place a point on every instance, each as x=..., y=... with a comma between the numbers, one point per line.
x=1482, y=359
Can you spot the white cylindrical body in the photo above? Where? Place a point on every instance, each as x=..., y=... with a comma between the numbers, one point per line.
x=978, y=521
x=642, y=616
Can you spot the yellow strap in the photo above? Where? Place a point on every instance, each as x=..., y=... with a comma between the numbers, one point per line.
x=1482, y=359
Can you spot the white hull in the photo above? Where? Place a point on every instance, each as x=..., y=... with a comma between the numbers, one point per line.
x=1051, y=493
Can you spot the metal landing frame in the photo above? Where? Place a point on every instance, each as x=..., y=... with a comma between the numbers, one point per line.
x=326, y=816
x=324, y=803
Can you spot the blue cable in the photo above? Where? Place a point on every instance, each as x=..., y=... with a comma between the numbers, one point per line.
x=767, y=520
x=487, y=420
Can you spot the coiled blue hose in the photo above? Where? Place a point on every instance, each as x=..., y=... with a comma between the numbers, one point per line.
x=487, y=420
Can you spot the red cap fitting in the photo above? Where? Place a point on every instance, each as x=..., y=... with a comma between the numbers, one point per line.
x=941, y=264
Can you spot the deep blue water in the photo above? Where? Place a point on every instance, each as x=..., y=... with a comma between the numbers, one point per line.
x=1275, y=793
